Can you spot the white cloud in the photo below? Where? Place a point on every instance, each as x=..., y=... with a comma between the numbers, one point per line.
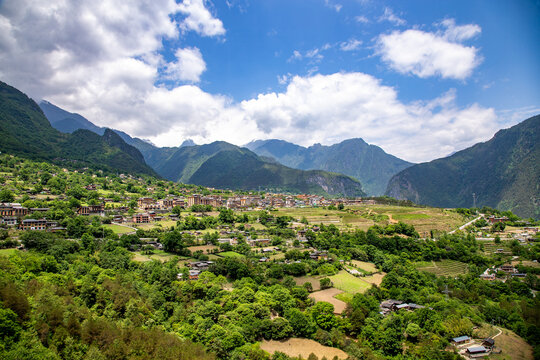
x=188, y=67
x=459, y=33
x=426, y=54
x=101, y=59
x=331, y=108
x=332, y=5
x=389, y=15
x=350, y=45
x=199, y=19
x=315, y=55
x=361, y=19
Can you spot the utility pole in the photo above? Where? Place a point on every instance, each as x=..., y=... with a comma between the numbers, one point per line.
x=474, y=199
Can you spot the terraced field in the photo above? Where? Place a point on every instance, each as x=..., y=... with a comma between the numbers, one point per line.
x=443, y=267
x=364, y=216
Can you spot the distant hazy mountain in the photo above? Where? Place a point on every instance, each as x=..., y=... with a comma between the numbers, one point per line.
x=219, y=164
x=224, y=165
x=67, y=122
x=25, y=131
x=503, y=172
x=354, y=157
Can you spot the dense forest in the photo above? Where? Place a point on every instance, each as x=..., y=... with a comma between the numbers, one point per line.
x=80, y=294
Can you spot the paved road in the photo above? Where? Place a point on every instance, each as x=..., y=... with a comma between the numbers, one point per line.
x=467, y=224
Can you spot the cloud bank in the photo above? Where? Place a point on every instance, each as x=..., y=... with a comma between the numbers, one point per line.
x=102, y=59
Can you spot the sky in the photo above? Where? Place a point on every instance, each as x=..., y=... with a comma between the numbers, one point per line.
x=421, y=79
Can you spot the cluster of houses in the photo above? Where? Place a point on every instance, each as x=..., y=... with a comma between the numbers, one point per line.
x=12, y=214
x=392, y=305
x=244, y=202
x=508, y=269
x=475, y=351
x=195, y=269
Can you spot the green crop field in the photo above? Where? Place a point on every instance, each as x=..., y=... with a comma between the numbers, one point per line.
x=443, y=267
x=345, y=297
x=156, y=255
x=349, y=283
x=231, y=254
x=118, y=229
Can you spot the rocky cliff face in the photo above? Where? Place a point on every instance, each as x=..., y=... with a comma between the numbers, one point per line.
x=337, y=185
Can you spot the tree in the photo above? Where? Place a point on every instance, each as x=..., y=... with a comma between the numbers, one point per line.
x=498, y=227
x=301, y=324
x=323, y=315
x=325, y=283
x=226, y=216
x=413, y=331
x=6, y=196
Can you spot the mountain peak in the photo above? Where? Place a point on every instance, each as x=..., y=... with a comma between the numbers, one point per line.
x=188, y=142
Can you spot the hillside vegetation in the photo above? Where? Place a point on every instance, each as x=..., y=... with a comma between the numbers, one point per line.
x=503, y=173
x=26, y=131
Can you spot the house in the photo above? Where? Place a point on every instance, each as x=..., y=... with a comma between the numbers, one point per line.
x=488, y=343
x=194, y=274
x=145, y=203
x=493, y=220
x=226, y=241
x=91, y=210
x=200, y=265
x=319, y=255
x=389, y=305
x=91, y=187
x=489, y=277
x=33, y=224
x=477, y=351
x=461, y=340
x=259, y=242
x=12, y=209
x=411, y=306
x=507, y=268
x=264, y=259
x=143, y=218
x=8, y=220
x=118, y=219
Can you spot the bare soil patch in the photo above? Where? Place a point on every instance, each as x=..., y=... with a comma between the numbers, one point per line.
x=366, y=266
x=375, y=279
x=315, y=283
x=328, y=296
x=204, y=248
x=302, y=347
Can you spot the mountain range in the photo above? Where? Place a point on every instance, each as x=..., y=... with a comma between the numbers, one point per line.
x=218, y=164
x=25, y=131
x=503, y=173
x=354, y=157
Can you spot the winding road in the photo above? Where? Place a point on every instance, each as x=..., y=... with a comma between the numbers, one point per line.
x=467, y=224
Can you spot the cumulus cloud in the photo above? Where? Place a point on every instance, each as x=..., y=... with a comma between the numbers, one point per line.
x=101, y=59
x=188, y=67
x=331, y=108
x=426, y=54
x=199, y=19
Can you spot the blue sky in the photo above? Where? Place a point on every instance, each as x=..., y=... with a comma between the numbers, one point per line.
x=262, y=36
x=421, y=79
